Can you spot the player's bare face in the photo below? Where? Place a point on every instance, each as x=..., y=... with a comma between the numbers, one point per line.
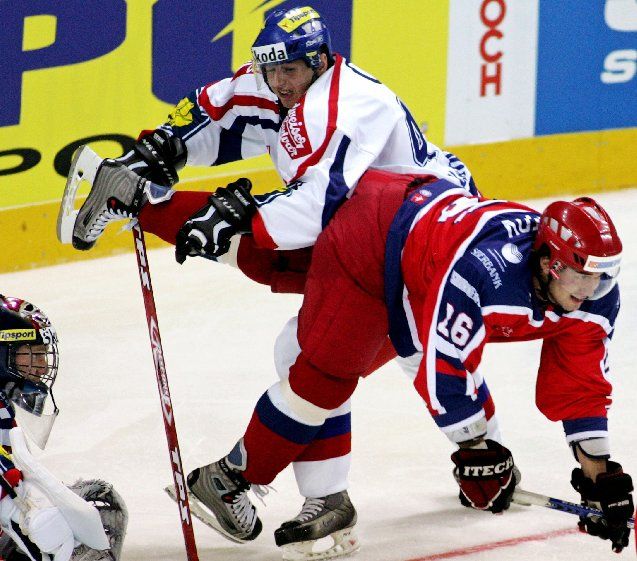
x=289, y=81
x=573, y=288
x=31, y=361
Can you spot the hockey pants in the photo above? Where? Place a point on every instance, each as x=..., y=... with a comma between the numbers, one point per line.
x=342, y=329
x=323, y=467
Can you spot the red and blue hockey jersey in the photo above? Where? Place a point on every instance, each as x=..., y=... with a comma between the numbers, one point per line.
x=457, y=277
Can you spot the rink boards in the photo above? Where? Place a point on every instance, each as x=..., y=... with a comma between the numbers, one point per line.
x=513, y=88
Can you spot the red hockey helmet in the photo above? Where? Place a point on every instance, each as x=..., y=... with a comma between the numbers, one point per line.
x=581, y=235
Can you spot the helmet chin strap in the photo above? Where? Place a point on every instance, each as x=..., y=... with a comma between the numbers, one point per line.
x=555, y=269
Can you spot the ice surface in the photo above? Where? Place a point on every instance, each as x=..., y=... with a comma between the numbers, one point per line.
x=218, y=330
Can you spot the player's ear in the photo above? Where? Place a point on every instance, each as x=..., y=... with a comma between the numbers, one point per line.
x=545, y=265
x=324, y=63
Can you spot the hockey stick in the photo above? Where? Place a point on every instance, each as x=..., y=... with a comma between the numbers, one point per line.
x=164, y=394
x=526, y=498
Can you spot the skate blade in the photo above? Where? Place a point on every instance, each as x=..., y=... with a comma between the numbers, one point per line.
x=83, y=168
x=345, y=543
x=201, y=514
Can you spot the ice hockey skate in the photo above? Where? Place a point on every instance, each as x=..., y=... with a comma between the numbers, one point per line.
x=218, y=495
x=332, y=516
x=116, y=194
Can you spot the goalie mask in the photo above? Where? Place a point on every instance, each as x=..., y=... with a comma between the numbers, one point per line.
x=581, y=235
x=28, y=365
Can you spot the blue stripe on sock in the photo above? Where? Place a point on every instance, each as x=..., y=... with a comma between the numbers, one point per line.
x=286, y=427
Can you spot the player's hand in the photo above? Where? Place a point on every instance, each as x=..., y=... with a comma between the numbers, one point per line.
x=486, y=476
x=611, y=493
x=158, y=156
x=207, y=233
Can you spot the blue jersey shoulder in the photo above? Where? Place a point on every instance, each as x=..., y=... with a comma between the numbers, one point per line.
x=500, y=256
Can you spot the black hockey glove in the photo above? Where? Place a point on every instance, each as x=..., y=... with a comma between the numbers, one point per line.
x=611, y=493
x=486, y=476
x=207, y=232
x=157, y=156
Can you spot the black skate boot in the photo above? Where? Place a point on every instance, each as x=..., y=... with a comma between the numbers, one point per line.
x=116, y=194
x=223, y=491
x=333, y=516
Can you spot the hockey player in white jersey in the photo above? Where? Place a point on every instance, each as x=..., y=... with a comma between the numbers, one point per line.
x=324, y=122
x=40, y=518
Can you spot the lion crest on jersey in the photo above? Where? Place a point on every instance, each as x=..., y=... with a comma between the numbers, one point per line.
x=293, y=135
x=181, y=115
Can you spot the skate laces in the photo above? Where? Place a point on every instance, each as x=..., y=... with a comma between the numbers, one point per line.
x=311, y=507
x=242, y=509
x=103, y=218
x=260, y=491
x=130, y=225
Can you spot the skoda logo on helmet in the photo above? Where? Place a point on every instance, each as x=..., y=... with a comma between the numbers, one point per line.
x=270, y=53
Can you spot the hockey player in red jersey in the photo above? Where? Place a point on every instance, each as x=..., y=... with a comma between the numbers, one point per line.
x=443, y=272
x=324, y=122
x=40, y=519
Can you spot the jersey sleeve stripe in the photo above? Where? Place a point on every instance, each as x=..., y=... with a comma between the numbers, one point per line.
x=444, y=367
x=316, y=157
x=575, y=427
x=337, y=188
x=216, y=113
x=245, y=69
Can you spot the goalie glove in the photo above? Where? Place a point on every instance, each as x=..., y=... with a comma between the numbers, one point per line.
x=611, y=493
x=207, y=233
x=486, y=475
x=113, y=513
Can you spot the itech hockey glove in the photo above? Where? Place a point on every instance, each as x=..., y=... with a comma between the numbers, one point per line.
x=207, y=232
x=486, y=476
x=611, y=493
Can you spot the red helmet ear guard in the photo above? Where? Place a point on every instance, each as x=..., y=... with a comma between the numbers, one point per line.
x=581, y=235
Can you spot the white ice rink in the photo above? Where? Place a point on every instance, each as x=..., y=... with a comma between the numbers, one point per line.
x=218, y=330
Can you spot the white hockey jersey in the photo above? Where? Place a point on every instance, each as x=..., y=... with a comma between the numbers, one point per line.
x=346, y=123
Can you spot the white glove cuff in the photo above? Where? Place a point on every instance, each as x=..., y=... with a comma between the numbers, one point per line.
x=596, y=448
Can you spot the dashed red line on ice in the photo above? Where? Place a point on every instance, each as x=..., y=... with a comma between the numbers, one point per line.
x=496, y=545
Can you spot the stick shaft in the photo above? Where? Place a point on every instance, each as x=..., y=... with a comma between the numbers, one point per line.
x=164, y=394
x=527, y=498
